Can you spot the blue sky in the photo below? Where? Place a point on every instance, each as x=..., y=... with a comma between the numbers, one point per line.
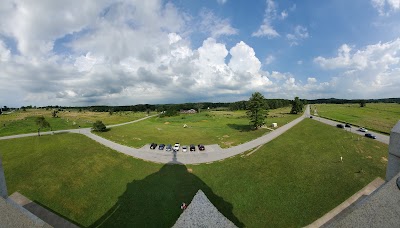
x=129, y=52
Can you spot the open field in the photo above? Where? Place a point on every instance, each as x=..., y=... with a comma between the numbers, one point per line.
x=20, y=122
x=289, y=182
x=380, y=117
x=225, y=128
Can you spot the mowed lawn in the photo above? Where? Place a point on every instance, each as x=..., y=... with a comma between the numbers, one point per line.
x=21, y=122
x=380, y=117
x=289, y=182
x=225, y=128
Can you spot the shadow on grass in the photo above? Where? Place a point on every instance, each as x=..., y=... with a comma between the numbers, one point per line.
x=241, y=127
x=105, y=130
x=35, y=209
x=155, y=200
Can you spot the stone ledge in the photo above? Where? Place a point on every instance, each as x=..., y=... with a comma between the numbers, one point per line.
x=202, y=213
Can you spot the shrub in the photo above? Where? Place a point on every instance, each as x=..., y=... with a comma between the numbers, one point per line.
x=99, y=126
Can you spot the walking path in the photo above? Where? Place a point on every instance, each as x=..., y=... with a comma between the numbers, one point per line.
x=212, y=152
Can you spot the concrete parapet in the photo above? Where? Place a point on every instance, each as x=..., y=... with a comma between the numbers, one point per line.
x=393, y=166
x=3, y=186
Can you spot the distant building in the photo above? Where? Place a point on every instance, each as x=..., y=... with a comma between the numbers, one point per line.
x=190, y=111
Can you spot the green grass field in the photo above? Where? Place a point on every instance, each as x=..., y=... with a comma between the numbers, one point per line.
x=21, y=122
x=379, y=117
x=225, y=128
x=289, y=182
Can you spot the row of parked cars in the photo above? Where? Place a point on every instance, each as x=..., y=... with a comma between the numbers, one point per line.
x=177, y=147
x=368, y=135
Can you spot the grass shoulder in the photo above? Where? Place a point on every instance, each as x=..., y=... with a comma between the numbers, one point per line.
x=380, y=117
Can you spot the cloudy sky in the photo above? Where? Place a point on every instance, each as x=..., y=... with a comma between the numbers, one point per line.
x=87, y=52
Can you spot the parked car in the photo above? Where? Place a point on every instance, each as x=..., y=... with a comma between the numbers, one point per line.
x=176, y=147
x=347, y=125
x=368, y=135
x=161, y=146
x=311, y=117
x=168, y=147
x=184, y=148
x=201, y=147
x=192, y=147
x=153, y=146
x=362, y=129
x=340, y=125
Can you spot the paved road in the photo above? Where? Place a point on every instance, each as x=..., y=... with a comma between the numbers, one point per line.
x=211, y=154
x=379, y=137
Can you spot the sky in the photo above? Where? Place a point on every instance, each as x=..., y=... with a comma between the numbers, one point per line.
x=126, y=52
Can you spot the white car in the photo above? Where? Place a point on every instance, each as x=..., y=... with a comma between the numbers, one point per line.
x=362, y=129
x=176, y=146
x=184, y=148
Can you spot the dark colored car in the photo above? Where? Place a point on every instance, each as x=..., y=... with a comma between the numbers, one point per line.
x=168, y=147
x=347, y=125
x=153, y=146
x=311, y=117
x=161, y=146
x=192, y=147
x=340, y=125
x=201, y=147
x=368, y=135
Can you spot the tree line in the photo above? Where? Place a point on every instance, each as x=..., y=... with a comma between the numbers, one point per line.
x=238, y=105
x=353, y=101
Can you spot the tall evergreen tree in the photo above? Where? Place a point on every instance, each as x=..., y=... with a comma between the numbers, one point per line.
x=297, y=106
x=256, y=110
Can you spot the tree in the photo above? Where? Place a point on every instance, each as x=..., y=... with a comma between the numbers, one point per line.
x=54, y=113
x=256, y=110
x=199, y=106
x=42, y=123
x=363, y=103
x=297, y=106
x=99, y=126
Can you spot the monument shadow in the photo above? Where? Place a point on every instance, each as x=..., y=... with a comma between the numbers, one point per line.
x=155, y=200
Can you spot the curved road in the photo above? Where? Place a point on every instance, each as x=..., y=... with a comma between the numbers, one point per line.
x=211, y=154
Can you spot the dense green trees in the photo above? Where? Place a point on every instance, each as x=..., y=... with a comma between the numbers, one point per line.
x=256, y=110
x=297, y=106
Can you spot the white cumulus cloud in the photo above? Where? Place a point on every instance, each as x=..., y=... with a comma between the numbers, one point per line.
x=371, y=71
x=266, y=29
x=385, y=7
